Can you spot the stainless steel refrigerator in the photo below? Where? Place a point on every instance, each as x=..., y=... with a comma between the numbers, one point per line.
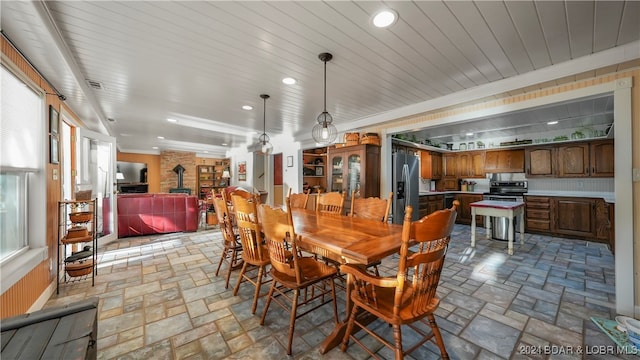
x=405, y=185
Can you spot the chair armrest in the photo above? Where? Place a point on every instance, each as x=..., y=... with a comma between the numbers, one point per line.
x=360, y=273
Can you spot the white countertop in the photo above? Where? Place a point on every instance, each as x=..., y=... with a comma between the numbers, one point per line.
x=607, y=196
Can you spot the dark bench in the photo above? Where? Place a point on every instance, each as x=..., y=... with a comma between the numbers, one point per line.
x=66, y=332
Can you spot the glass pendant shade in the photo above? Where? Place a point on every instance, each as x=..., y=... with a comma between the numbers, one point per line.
x=324, y=133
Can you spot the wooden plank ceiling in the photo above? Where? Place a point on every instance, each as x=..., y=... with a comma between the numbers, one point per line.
x=200, y=62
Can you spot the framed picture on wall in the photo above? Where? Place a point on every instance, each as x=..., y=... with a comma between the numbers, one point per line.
x=54, y=120
x=242, y=171
x=54, y=153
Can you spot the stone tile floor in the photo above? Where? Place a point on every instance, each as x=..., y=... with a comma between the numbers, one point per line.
x=159, y=298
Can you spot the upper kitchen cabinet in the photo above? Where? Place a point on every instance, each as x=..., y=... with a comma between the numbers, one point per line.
x=594, y=159
x=504, y=161
x=471, y=164
x=602, y=158
x=573, y=160
x=355, y=168
x=449, y=172
x=540, y=161
x=430, y=165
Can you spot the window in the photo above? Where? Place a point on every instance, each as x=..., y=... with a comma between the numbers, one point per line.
x=23, y=135
x=13, y=234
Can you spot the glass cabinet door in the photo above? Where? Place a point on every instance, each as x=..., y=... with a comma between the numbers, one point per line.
x=353, y=176
x=336, y=173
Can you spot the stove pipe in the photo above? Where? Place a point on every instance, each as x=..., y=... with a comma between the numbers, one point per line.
x=179, y=170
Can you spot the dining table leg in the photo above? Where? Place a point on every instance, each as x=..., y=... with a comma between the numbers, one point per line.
x=335, y=338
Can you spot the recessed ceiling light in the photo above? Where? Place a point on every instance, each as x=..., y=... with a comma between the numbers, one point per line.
x=469, y=134
x=289, y=81
x=552, y=122
x=206, y=152
x=385, y=18
x=172, y=120
x=247, y=107
x=155, y=148
x=224, y=144
x=161, y=137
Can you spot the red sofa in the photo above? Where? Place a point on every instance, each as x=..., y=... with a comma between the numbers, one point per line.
x=142, y=214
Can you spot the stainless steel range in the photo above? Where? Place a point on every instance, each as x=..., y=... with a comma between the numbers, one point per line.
x=512, y=189
x=506, y=190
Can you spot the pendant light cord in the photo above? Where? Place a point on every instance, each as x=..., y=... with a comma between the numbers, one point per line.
x=325, y=87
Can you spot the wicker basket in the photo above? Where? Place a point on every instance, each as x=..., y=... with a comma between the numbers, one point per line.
x=370, y=138
x=83, y=195
x=79, y=268
x=80, y=217
x=77, y=232
x=351, y=139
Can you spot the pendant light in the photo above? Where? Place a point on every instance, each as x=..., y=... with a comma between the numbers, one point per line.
x=265, y=146
x=324, y=132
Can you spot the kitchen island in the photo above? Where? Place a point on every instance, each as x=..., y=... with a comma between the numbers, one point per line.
x=508, y=209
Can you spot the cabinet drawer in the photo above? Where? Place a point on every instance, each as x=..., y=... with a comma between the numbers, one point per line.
x=423, y=200
x=538, y=205
x=538, y=214
x=535, y=224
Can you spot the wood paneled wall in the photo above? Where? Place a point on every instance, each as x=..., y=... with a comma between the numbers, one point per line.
x=22, y=295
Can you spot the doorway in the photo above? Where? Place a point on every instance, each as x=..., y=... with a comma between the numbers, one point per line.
x=96, y=170
x=278, y=192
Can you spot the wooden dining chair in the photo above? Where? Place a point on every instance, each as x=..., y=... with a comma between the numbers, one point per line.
x=254, y=253
x=372, y=208
x=299, y=201
x=292, y=273
x=232, y=248
x=410, y=296
x=331, y=203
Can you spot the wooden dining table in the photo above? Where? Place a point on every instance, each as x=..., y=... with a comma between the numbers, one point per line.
x=347, y=240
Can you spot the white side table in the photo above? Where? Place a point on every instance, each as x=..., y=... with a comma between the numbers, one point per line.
x=508, y=209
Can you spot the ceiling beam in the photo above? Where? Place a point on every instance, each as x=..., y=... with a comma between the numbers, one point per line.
x=46, y=18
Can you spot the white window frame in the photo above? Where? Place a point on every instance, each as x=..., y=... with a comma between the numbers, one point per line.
x=19, y=265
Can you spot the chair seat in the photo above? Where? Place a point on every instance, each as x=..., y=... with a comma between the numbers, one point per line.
x=313, y=272
x=384, y=307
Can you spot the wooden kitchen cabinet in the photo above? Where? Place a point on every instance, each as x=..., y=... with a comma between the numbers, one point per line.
x=504, y=161
x=449, y=169
x=612, y=227
x=537, y=213
x=464, y=212
x=430, y=165
x=469, y=164
x=581, y=159
x=540, y=161
x=601, y=158
x=574, y=216
x=430, y=203
x=573, y=160
x=354, y=167
x=603, y=223
x=449, y=172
